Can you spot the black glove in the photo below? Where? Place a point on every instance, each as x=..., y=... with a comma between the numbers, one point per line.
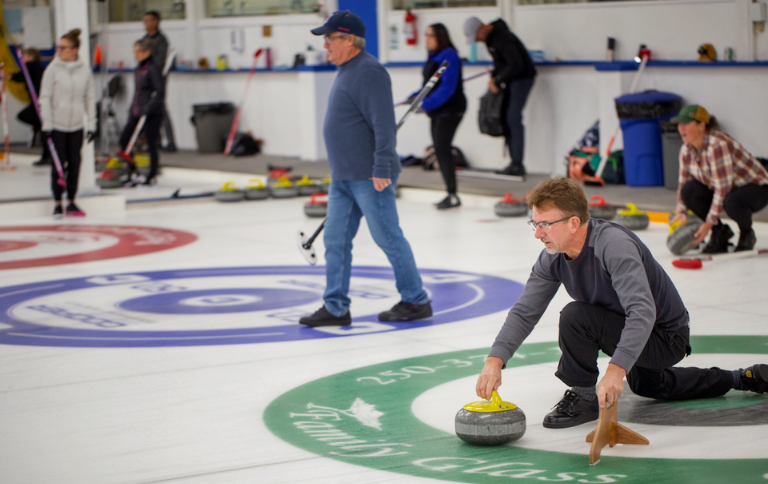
x=89, y=136
x=45, y=136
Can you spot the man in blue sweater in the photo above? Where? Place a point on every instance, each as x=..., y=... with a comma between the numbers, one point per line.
x=624, y=304
x=360, y=136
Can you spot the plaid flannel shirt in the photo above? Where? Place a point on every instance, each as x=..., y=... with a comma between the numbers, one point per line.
x=722, y=164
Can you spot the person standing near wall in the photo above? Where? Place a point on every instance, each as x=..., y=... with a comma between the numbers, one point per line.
x=148, y=98
x=360, y=136
x=159, y=55
x=717, y=175
x=445, y=105
x=514, y=73
x=67, y=97
x=28, y=115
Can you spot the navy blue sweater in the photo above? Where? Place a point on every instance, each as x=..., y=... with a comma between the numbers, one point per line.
x=360, y=131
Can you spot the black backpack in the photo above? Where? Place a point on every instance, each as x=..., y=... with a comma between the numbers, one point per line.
x=244, y=145
x=491, y=114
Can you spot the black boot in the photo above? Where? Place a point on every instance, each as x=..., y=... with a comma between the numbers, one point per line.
x=322, y=317
x=513, y=170
x=451, y=201
x=718, y=240
x=746, y=241
x=571, y=411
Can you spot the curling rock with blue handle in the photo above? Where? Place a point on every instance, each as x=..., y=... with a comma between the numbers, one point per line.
x=490, y=423
x=510, y=207
x=682, y=236
x=283, y=188
x=632, y=218
x=255, y=190
x=229, y=193
x=317, y=206
x=601, y=209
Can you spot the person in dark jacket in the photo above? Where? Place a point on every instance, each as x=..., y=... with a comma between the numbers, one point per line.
x=445, y=105
x=159, y=55
x=28, y=115
x=148, y=98
x=514, y=73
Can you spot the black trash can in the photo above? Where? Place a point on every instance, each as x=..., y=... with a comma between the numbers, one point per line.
x=671, y=142
x=212, y=124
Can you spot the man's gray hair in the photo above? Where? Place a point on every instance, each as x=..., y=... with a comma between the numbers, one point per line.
x=358, y=43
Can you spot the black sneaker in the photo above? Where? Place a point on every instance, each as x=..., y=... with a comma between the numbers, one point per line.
x=571, y=411
x=42, y=162
x=322, y=317
x=746, y=241
x=451, y=201
x=58, y=212
x=403, y=311
x=74, y=211
x=718, y=240
x=513, y=170
x=755, y=378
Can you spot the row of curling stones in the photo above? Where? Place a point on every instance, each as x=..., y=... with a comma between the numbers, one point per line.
x=682, y=235
x=276, y=188
x=632, y=218
x=490, y=423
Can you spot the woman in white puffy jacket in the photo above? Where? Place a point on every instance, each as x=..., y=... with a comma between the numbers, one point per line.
x=66, y=98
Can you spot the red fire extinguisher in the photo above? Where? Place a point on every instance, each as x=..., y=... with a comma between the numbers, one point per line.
x=411, y=34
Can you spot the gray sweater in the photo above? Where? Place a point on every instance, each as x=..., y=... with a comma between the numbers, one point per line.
x=614, y=270
x=360, y=131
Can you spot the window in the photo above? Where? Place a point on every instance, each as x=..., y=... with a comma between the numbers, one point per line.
x=414, y=4
x=236, y=8
x=133, y=10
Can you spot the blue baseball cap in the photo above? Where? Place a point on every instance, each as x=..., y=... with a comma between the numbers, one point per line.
x=342, y=21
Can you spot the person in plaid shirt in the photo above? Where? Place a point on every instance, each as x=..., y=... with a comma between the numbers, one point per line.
x=717, y=174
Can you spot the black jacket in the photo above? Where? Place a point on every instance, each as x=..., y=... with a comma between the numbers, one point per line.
x=35, y=69
x=511, y=61
x=149, y=93
x=160, y=51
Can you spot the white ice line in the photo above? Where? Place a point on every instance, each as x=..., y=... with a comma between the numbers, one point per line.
x=149, y=338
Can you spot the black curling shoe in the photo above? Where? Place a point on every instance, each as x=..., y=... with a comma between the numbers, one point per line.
x=718, y=240
x=322, y=317
x=451, y=201
x=403, y=311
x=571, y=411
x=746, y=241
x=755, y=378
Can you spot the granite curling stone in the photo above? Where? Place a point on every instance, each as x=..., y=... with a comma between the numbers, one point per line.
x=682, y=236
x=118, y=166
x=283, y=188
x=229, y=193
x=510, y=207
x=601, y=209
x=255, y=190
x=317, y=206
x=108, y=178
x=307, y=187
x=490, y=423
x=142, y=164
x=632, y=218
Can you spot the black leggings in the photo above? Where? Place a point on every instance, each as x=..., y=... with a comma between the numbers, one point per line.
x=443, y=129
x=739, y=204
x=68, y=146
x=586, y=329
x=151, y=130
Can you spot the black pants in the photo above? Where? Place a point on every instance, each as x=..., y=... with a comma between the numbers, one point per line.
x=585, y=329
x=151, y=130
x=516, y=97
x=443, y=129
x=68, y=146
x=739, y=204
x=168, y=129
x=28, y=115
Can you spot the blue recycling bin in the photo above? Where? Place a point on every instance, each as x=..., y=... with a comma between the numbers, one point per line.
x=639, y=116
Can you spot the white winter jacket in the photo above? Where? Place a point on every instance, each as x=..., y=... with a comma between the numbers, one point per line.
x=66, y=94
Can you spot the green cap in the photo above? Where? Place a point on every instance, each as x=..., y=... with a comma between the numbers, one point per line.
x=692, y=112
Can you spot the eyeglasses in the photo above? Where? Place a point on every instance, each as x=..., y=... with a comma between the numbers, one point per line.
x=545, y=226
x=429, y=35
x=329, y=38
x=63, y=47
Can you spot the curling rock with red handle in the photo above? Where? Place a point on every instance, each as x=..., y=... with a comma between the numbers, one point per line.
x=632, y=218
x=601, y=209
x=109, y=178
x=682, y=237
x=229, y=193
x=510, y=207
x=317, y=206
x=490, y=423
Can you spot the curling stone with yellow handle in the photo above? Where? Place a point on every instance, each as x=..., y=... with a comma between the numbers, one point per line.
x=283, y=188
x=307, y=186
x=142, y=163
x=682, y=235
x=256, y=190
x=632, y=218
x=229, y=193
x=490, y=423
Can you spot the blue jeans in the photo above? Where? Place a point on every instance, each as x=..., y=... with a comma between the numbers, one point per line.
x=348, y=202
x=517, y=95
